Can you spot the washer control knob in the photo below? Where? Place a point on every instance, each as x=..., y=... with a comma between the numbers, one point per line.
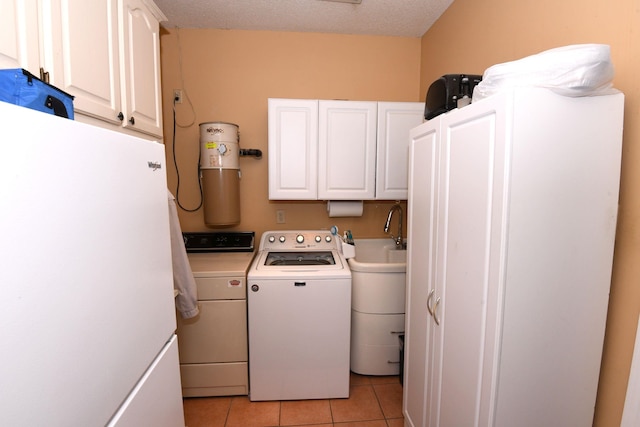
x=328, y=239
x=272, y=239
x=300, y=238
x=255, y=288
x=318, y=239
x=282, y=239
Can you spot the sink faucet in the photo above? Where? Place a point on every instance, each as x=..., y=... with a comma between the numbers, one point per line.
x=398, y=239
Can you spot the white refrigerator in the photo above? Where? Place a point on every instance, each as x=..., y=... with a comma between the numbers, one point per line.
x=87, y=314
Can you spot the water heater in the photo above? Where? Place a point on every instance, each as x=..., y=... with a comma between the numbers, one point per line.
x=220, y=173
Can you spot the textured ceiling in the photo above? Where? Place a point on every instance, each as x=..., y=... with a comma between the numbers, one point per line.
x=407, y=18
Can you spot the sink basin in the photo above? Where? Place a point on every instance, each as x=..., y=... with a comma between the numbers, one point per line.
x=396, y=256
x=378, y=255
x=378, y=276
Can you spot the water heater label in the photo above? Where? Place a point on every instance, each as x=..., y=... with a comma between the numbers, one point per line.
x=214, y=161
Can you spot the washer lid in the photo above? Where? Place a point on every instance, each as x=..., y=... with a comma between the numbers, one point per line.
x=319, y=258
x=275, y=262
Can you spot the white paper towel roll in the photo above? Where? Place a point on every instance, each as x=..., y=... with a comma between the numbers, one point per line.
x=342, y=208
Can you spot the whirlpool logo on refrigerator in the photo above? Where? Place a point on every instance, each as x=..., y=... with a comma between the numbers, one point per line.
x=154, y=165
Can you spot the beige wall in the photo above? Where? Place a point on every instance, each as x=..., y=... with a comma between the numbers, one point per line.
x=475, y=34
x=229, y=75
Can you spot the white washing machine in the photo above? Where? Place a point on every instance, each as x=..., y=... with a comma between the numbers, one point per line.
x=299, y=310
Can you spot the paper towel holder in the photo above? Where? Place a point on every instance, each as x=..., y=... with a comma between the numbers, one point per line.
x=345, y=208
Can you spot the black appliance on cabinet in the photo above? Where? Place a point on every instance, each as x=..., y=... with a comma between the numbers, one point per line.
x=448, y=91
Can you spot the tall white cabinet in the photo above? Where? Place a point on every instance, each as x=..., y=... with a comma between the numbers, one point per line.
x=512, y=217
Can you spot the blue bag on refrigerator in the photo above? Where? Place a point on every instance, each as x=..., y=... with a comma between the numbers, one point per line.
x=20, y=87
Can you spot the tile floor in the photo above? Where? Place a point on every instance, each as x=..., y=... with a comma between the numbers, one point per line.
x=373, y=402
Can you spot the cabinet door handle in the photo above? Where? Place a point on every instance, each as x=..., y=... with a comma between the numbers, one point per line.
x=44, y=75
x=435, y=311
x=429, y=302
x=396, y=332
x=132, y=120
x=120, y=116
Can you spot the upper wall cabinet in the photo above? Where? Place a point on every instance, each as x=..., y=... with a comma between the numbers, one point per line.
x=339, y=150
x=105, y=53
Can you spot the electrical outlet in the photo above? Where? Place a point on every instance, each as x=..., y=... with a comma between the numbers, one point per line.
x=177, y=96
x=280, y=218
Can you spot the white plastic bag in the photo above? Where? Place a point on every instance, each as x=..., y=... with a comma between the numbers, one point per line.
x=575, y=70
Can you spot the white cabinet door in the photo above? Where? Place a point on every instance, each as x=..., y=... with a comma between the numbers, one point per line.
x=395, y=120
x=456, y=218
x=347, y=150
x=81, y=54
x=293, y=149
x=140, y=50
x=469, y=229
x=424, y=155
x=19, y=35
x=563, y=199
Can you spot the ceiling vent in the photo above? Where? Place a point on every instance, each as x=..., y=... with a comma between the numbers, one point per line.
x=346, y=1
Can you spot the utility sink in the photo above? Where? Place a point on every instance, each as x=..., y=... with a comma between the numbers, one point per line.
x=378, y=282
x=378, y=255
x=378, y=274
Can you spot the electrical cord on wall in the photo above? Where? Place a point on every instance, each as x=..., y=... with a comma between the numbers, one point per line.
x=176, y=124
x=175, y=163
